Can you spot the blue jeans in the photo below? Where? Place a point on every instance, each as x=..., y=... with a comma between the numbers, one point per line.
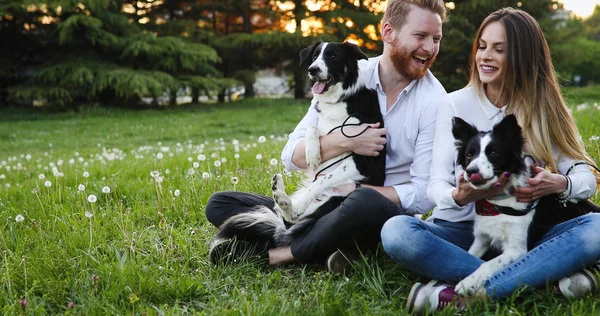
x=438, y=250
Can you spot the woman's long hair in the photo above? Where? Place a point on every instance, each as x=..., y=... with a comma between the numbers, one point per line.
x=531, y=89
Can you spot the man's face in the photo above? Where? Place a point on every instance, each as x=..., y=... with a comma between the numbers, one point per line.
x=413, y=48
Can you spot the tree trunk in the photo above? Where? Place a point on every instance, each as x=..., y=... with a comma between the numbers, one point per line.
x=221, y=96
x=299, y=82
x=173, y=98
x=249, y=90
x=195, y=95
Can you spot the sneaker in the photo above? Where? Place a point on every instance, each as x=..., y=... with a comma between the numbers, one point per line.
x=223, y=251
x=579, y=284
x=341, y=262
x=430, y=297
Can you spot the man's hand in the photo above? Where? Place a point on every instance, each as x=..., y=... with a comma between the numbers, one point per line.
x=369, y=143
x=465, y=193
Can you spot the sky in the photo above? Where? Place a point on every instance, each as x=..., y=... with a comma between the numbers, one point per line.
x=582, y=8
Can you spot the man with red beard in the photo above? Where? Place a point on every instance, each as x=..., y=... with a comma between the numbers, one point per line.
x=408, y=99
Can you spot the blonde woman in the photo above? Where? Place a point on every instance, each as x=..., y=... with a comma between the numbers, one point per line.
x=511, y=73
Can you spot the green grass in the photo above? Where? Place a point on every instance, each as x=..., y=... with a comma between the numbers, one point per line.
x=144, y=250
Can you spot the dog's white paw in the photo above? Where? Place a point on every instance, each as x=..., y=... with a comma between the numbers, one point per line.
x=313, y=148
x=469, y=285
x=282, y=200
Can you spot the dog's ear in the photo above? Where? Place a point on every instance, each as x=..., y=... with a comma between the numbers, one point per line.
x=462, y=130
x=306, y=53
x=355, y=51
x=509, y=127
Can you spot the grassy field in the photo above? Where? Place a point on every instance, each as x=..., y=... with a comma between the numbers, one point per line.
x=140, y=246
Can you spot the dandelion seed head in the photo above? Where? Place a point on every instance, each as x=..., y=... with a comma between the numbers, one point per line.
x=205, y=175
x=19, y=218
x=42, y=176
x=92, y=198
x=190, y=159
x=159, y=156
x=154, y=173
x=105, y=190
x=217, y=163
x=158, y=179
x=88, y=214
x=262, y=139
x=195, y=165
x=201, y=157
x=2, y=176
x=47, y=184
x=234, y=180
x=86, y=174
x=236, y=156
x=191, y=171
x=214, y=155
x=81, y=187
x=274, y=162
x=258, y=156
x=177, y=192
x=223, y=160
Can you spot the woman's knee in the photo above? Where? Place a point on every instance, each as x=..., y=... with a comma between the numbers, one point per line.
x=590, y=237
x=397, y=234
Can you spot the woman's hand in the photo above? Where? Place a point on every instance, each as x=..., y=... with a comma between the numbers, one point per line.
x=465, y=193
x=543, y=183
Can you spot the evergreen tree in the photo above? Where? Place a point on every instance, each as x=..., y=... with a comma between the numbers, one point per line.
x=91, y=51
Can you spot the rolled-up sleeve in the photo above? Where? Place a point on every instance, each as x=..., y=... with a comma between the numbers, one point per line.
x=309, y=119
x=443, y=177
x=413, y=195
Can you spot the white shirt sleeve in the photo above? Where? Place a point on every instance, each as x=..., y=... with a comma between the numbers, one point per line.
x=583, y=181
x=443, y=176
x=309, y=119
x=413, y=195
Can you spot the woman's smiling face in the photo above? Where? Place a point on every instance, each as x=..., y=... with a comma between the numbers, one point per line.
x=491, y=56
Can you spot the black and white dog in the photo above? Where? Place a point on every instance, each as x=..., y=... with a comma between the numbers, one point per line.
x=500, y=222
x=341, y=100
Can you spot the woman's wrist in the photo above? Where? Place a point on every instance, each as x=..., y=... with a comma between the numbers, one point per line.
x=457, y=199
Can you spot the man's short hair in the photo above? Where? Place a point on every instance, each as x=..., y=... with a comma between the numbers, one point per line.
x=397, y=10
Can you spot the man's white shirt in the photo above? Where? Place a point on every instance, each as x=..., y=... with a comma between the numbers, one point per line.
x=410, y=125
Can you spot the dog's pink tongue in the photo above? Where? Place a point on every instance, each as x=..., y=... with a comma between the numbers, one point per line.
x=318, y=87
x=476, y=177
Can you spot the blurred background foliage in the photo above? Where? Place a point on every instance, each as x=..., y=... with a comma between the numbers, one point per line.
x=68, y=53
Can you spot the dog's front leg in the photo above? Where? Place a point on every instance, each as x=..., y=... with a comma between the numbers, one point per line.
x=480, y=245
x=473, y=282
x=313, y=148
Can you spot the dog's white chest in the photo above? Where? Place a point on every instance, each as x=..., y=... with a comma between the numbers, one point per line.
x=332, y=116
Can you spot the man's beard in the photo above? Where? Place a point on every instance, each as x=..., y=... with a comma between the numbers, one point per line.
x=401, y=59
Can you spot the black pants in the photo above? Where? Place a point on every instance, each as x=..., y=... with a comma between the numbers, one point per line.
x=356, y=222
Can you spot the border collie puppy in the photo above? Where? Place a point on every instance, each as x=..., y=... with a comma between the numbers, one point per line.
x=500, y=222
x=341, y=100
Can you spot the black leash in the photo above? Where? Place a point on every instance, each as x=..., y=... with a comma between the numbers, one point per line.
x=341, y=127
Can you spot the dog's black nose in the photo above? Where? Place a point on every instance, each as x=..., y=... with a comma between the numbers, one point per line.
x=314, y=70
x=471, y=171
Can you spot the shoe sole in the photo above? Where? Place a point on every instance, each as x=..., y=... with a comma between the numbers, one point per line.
x=412, y=296
x=336, y=270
